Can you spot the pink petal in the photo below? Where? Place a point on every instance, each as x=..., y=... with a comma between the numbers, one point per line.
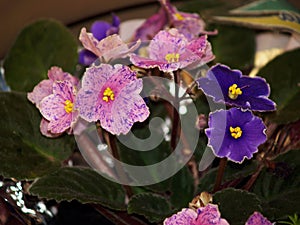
x=40, y=91
x=57, y=74
x=52, y=107
x=89, y=42
x=44, y=129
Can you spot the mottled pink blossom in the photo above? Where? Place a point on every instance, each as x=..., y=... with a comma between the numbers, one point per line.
x=210, y=215
x=58, y=108
x=110, y=94
x=257, y=219
x=44, y=89
x=171, y=50
x=109, y=48
x=184, y=217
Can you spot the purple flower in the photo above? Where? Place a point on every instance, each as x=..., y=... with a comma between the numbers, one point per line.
x=58, y=108
x=235, y=134
x=45, y=88
x=257, y=219
x=170, y=51
x=100, y=30
x=109, y=48
x=210, y=215
x=111, y=95
x=231, y=87
x=184, y=217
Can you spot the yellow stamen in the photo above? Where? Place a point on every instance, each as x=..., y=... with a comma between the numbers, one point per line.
x=236, y=132
x=179, y=16
x=234, y=91
x=68, y=106
x=108, y=94
x=172, y=57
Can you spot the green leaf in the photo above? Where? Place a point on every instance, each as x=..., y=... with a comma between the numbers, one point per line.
x=233, y=171
x=236, y=205
x=182, y=189
x=25, y=152
x=279, y=188
x=282, y=73
x=39, y=46
x=82, y=184
x=232, y=52
x=154, y=207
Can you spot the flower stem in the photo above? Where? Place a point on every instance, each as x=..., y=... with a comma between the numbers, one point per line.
x=221, y=170
x=175, y=124
x=111, y=140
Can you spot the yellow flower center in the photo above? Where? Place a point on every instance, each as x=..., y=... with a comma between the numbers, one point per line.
x=172, y=57
x=108, y=94
x=234, y=91
x=236, y=132
x=68, y=106
x=179, y=16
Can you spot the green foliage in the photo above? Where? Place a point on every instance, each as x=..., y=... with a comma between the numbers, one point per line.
x=282, y=73
x=279, y=188
x=25, y=152
x=154, y=207
x=237, y=205
x=82, y=184
x=39, y=46
x=239, y=56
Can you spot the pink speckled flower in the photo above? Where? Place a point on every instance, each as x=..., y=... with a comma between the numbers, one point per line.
x=109, y=48
x=171, y=50
x=184, y=217
x=210, y=215
x=257, y=219
x=111, y=94
x=45, y=88
x=58, y=108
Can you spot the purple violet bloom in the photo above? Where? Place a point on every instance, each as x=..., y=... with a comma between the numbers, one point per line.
x=235, y=134
x=111, y=94
x=231, y=87
x=109, y=48
x=209, y=215
x=100, y=30
x=257, y=219
x=170, y=51
x=58, y=108
x=45, y=88
x=184, y=217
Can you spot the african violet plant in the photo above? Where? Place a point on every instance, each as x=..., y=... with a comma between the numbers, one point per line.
x=165, y=132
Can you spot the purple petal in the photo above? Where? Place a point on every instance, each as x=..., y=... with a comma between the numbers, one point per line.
x=115, y=20
x=89, y=42
x=259, y=86
x=99, y=29
x=86, y=57
x=257, y=219
x=260, y=104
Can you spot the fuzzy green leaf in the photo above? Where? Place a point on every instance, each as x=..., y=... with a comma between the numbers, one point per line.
x=82, y=184
x=154, y=207
x=25, y=152
x=39, y=46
